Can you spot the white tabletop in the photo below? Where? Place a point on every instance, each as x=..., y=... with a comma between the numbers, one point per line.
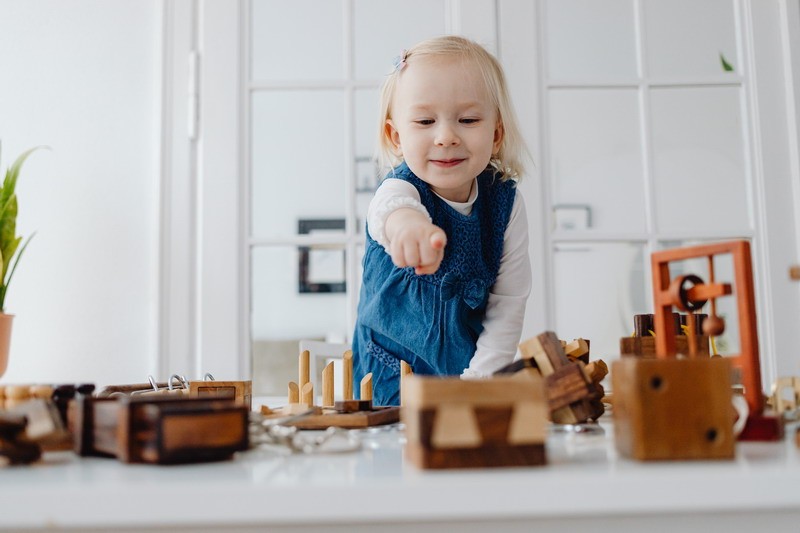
x=584, y=483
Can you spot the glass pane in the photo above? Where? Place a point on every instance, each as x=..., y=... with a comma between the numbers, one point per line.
x=596, y=168
x=587, y=39
x=688, y=38
x=383, y=28
x=282, y=315
x=286, y=40
x=698, y=154
x=599, y=288
x=298, y=142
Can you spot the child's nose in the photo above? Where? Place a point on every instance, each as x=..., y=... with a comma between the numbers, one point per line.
x=446, y=135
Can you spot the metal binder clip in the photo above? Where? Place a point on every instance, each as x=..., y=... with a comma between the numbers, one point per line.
x=153, y=384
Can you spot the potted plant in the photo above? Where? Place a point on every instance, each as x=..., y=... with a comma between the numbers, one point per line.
x=10, y=250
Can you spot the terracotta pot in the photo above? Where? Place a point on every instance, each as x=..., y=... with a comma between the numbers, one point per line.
x=5, y=340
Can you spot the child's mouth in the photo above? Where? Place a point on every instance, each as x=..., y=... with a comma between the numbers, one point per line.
x=446, y=163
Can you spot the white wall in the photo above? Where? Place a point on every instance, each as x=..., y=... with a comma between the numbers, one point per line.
x=83, y=77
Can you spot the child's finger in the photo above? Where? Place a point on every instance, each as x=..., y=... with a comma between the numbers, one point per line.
x=438, y=240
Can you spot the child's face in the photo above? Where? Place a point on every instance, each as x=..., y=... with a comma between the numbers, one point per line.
x=444, y=125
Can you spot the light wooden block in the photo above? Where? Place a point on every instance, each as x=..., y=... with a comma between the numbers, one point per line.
x=673, y=408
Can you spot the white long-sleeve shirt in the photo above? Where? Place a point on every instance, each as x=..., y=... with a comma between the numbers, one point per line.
x=505, y=310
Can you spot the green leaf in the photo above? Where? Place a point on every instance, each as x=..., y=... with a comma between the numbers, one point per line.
x=4, y=288
x=10, y=181
x=727, y=67
x=8, y=223
x=9, y=253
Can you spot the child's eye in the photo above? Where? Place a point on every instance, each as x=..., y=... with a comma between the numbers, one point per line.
x=424, y=122
x=469, y=120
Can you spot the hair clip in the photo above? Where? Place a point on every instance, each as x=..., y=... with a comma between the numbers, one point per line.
x=399, y=62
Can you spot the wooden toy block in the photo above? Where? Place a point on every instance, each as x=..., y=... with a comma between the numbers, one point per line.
x=14, y=448
x=405, y=370
x=294, y=393
x=347, y=375
x=137, y=429
x=577, y=349
x=327, y=385
x=366, y=387
x=574, y=397
x=239, y=391
x=307, y=394
x=455, y=423
x=669, y=408
x=304, y=362
x=785, y=397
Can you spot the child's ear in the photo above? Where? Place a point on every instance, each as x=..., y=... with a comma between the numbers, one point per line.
x=394, y=137
x=499, y=135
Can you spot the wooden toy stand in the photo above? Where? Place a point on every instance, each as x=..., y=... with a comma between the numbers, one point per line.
x=670, y=408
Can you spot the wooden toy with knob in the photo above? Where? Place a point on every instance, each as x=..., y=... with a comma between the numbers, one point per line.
x=682, y=408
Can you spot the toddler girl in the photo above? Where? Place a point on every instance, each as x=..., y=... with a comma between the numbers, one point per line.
x=446, y=267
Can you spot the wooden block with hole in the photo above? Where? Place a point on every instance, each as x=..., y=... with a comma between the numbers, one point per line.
x=666, y=409
x=455, y=423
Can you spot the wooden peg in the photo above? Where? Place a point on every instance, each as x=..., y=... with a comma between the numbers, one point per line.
x=303, y=367
x=366, y=387
x=327, y=385
x=307, y=394
x=405, y=370
x=294, y=393
x=17, y=394
x=347, y=375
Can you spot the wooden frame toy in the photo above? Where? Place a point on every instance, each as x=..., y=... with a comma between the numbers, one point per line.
x=681, y=408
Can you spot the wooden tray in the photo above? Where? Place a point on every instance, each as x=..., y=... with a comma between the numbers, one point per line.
x=379, y=416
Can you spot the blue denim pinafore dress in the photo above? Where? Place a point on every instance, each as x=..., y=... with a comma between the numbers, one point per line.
x=432, y=321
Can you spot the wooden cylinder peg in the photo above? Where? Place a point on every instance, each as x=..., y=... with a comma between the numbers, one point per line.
x=327, y=385
x=366, y=387
x=294, y=393
x=303, y=374
x=405, y=370
x=347, y=375
x=307, y=394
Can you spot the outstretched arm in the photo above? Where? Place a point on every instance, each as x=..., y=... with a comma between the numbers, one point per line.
x=400, y=223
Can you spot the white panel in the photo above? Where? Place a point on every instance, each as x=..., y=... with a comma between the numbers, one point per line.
x=219, y=349
x=84, y=78
x=596, y=163
x=297, y=40
x=590, y=39
x=600, y=288
x=685, y=37
x=280, y=311
x=699, y=155
x=384, y=28
x=297, y=151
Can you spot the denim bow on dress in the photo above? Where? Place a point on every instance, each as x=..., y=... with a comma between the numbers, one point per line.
x=473, y=292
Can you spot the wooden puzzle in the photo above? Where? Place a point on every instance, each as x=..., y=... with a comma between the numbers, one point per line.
x=572, y=387
x=347, y=413
x=455, y=423
x=681, y=408
x=158, y=428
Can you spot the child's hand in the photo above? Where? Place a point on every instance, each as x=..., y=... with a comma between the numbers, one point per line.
x=414, y=241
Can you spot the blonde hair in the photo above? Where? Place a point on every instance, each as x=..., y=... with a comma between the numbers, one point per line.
x=507, y=162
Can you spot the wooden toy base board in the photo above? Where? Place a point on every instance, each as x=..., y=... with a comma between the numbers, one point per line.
x=765, y=427
x=483, y=457
x=379, y=416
